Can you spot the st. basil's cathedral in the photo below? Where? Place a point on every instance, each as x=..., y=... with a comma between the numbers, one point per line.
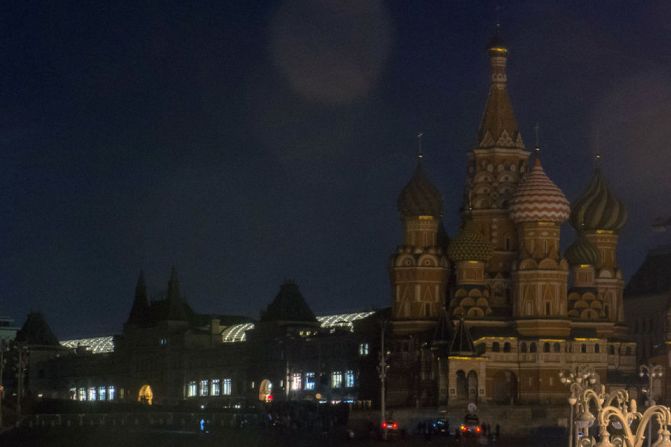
x=495, y=313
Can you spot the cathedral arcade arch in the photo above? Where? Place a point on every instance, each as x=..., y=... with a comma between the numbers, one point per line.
x=504, y=387
x=462, y=386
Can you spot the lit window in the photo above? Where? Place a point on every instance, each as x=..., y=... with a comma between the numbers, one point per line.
x=102, y=393
x=336, y=379
x=296, y=381
x=349, y=379
x=191, y=389
x=216, y=387
x=92, y=394
x=163, y=341
x=82, y=393
x=111, y=392
x=73, y=393
x=363, y=349
x=310, y=383
x=228, y=387
x=204, y=389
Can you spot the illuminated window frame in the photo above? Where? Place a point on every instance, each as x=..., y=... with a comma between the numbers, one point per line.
x=296, y=381
x=336, y=379
x=191, y=389
x=227, y=388
x=215, y=387
x=204, y=387
x=349, y=379
x=310, y=381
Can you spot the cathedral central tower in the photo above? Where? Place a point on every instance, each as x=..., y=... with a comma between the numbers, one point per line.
x=495, y=167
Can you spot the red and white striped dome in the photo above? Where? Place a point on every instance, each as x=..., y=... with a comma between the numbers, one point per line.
x=538, y=199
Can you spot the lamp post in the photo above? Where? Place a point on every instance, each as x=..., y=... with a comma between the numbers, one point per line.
x=578, y=379
x=382, y=370
x=653, y=372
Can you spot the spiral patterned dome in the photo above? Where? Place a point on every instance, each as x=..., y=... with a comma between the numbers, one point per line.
x=538, y=199
x=420, y=197
x=598, y=208
x=469, y=245
x=582, y=251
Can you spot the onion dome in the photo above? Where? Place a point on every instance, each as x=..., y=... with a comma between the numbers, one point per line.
x=538, y=199
x=598, y=208
x=420, y=197
x=582, y=251
x=469, y=245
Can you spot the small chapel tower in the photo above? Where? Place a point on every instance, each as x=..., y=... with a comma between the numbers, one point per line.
x=419, y=269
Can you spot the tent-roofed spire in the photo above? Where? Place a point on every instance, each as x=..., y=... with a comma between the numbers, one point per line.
x=140, y=309
x=462, y=343
x=175, y=304
x=499, y=127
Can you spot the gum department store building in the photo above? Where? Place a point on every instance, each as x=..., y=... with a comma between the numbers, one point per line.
x=490, y=316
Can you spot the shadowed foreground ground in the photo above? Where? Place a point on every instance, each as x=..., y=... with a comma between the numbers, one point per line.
x=97, y=437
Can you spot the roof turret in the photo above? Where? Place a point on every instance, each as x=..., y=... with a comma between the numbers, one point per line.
x=139, y=311
x=598, y=208
x=289, y=305
x=176, y=310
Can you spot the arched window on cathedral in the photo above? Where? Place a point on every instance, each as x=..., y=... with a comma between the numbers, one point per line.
x=611, y=350
x=546, y=347
x=507, y=243
x=597, y=348
x=506, y=347
x=496, y=347
x=583, y=348
x=556, y=347
x=532, y=347
x=523, y=347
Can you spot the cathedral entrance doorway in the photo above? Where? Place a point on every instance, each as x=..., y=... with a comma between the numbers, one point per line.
x=462, y=386
x=504, y=389
x=472, y=386
x=146, y=395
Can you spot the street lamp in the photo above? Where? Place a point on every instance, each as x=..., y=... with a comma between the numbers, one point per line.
x=580, y=378
x=653, y=372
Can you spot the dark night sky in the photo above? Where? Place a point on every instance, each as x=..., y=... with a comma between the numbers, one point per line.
x=247, y=142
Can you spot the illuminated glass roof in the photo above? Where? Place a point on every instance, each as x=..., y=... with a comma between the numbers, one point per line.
x=97, y=345
x=236, y=333
x=232, y=334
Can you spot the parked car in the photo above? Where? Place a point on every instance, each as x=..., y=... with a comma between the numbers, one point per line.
x=470, y=426
x=389, y=429
x=440, y=426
